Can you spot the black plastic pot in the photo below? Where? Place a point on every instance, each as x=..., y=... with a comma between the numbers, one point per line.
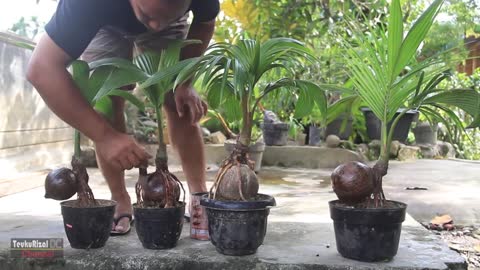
x=314, y=135
x=335, y=128
x=88, y=228
x=237, y=228
x=425, y=133
x=367, y=234
x=275, y=133
x=401, y=130
x=159, y=228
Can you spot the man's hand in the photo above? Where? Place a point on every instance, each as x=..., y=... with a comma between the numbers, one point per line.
x=121, y=151
x=188, y=102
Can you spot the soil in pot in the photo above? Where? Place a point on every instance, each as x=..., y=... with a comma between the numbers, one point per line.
x=368, y=234
x=227, y=234
x=88, y=227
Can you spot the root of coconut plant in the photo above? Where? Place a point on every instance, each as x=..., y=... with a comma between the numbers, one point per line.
x=85, y=196
x=378, y=196
x=166, y=191
x=237, y=158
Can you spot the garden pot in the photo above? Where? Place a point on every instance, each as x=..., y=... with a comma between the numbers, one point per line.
x=335, y=127
x=159, y=228
x=275, y=133
x=90, y=227
x=255, y=152
x=401, y=130
x=367, y=234
x=314, y=135
x=237, y=228
x=425, y=133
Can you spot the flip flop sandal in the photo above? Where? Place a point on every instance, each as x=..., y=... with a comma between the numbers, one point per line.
x=116, y=220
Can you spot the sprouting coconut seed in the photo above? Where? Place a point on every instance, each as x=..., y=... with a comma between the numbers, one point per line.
x=229, y=187
x=60, y=184
x=352, y=182
x=155, y=189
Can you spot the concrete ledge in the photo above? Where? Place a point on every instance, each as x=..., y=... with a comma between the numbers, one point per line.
x=287, y=246
x=309, y=157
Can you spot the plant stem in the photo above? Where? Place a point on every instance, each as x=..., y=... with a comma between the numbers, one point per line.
x=161, y=158
x=76, y=142
x=385, y=147
x=246, y=132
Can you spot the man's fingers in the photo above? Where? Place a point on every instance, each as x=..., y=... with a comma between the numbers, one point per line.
x=199, y=113
x=192, y=110
x=134, y=161
x=115, y=163
x=124, y=163
x=141, y=154
x=180, y=108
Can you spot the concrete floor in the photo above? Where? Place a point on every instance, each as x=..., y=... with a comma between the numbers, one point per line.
x=299, y=227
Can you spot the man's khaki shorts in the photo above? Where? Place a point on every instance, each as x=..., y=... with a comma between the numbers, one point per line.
x=113, y=42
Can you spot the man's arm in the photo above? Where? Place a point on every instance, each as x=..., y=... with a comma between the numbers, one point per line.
x=47, y=72
x=185, y=96
x=202, y=31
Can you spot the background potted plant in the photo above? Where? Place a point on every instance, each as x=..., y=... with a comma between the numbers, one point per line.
x=367, y=226
x=231, y=77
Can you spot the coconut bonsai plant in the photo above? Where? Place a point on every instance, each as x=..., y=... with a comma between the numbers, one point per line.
x=367, y=226
x=88, y=221
x=158, y=211
x=232, y=77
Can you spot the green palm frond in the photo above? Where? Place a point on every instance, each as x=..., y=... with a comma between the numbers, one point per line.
x=387, y=76
x=234, y=74
x=376, y=66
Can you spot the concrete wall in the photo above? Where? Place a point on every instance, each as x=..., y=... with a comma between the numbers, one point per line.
x=31, y=136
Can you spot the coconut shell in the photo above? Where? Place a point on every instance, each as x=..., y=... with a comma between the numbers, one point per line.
x=60, y=184
x=229, y=188
x=352, y=182
x=154, y=189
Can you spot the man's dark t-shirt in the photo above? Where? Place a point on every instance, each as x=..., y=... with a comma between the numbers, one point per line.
x=76, y=22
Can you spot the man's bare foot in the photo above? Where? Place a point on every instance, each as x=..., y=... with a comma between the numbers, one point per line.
x=124, y=207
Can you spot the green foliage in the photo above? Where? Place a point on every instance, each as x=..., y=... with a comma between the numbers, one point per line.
x=27, y=27
x=466, y=141
x=155, y=74
x=234, y=78
x=387, y=77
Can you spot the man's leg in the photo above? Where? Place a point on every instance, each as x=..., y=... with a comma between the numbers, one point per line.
x=187, y=140
x=108, y=43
